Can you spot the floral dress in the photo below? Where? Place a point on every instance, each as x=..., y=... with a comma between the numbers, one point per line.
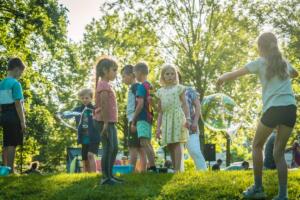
x=173, y=118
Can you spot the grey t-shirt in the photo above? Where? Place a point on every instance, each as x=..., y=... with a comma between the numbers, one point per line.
x=275, y=92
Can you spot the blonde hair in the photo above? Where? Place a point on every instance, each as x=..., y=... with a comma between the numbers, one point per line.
x=163, y=71
x=276, y=65
x=84, y=92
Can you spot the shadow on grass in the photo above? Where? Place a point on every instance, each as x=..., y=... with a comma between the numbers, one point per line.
x=81, y=186
x=185, y=186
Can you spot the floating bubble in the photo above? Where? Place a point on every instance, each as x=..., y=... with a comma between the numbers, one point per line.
x=67, y=118
x=219, y=112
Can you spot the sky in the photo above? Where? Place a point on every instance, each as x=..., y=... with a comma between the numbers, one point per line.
x=81, y=13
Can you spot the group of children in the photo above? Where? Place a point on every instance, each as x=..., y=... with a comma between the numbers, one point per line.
x=175, y=118
x=178, y=115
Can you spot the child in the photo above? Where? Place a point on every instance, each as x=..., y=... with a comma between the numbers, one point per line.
x=134, y=145
x=143, y=116
x=87, y=135
x=193, y=143
x=279, y=109
x=106, y=116
x=173, y=115
x=12, y=111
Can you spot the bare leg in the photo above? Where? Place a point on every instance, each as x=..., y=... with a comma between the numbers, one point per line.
x=4, y=156
x=11, y=152
x=281, y=140
x=91, y=162
x=143, y=159
x=133, y=156
x=85, y=165
x=172, y=154
x=261, y=135
x=178, y=157
x=146, y=144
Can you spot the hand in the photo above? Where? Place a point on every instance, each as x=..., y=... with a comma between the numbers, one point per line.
x=132, y=128
x=104, y=129
x=220, y=81
x=194, y=127
x=158, y=133
x=187, y=124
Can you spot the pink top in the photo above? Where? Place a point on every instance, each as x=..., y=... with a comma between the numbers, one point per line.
x=112, y=102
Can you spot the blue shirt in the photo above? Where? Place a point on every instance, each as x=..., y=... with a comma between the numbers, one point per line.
x=10, y=91
x=275, y=92
x=143, y=91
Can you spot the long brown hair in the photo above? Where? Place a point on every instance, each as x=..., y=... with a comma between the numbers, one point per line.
x=268, y=47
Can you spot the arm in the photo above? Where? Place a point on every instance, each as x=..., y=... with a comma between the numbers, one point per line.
x=104, y=109
x=232, y=75
x=138, y=109
x=185, y=109
x=196, y=104
x=20, y=110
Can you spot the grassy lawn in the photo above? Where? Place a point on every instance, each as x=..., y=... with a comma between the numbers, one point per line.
x=188, y=185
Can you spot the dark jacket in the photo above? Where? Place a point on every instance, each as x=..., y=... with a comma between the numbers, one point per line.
x=94, y=137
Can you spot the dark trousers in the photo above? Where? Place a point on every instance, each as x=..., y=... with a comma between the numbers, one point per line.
x=109, y=142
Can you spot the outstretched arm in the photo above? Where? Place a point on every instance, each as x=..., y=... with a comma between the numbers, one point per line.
x=232, y=75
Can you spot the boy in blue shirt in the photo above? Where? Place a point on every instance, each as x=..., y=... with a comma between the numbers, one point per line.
x=12, y=111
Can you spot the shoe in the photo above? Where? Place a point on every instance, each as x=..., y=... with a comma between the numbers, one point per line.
x=152, y=169
x=110, y=181
x=254, y=193
x=103, y=181
x=280, y=198
x=118, y=179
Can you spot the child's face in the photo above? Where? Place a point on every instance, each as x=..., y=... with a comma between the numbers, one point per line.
x=112, y=73
x=170, y=76
x=86, y=99
x=127, y=78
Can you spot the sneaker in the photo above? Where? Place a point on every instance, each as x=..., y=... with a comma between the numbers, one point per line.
x=117, y=179
x=103, y=181
x=109, y=182
x=254, y=193
x=152, y=169
x=280, y=198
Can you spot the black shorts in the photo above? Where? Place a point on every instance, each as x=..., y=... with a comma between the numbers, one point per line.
x=133, y=140
x=280, y=115
x=12, y=131
x=92, y=147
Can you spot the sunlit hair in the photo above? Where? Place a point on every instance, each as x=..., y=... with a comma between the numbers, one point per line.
x=85, y=92
x=163, y=71
x=268, y=48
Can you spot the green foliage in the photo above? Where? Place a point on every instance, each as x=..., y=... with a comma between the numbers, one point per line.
x=188, y=185
x=203, y=38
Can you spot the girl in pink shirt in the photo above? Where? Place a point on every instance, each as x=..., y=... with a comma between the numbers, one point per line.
x=106, y=115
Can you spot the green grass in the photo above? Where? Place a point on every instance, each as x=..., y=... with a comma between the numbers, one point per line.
x=188, y=185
